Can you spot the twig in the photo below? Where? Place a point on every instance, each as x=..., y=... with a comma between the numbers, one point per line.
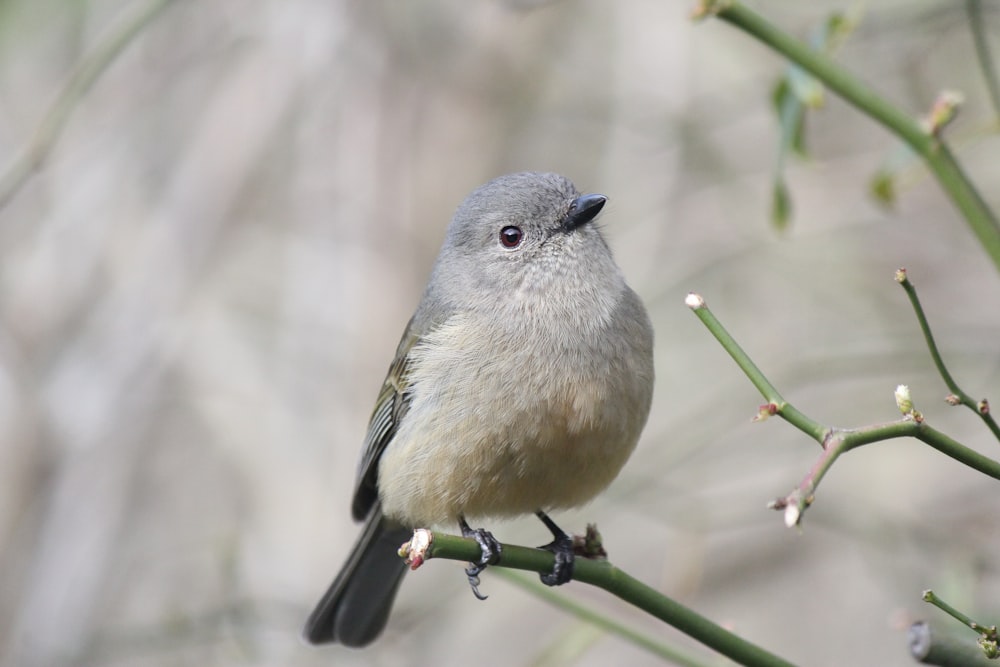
x=930, y=646
x=835, y=441
x=928, y=144
x=87, y=72
x=974, y=9
x=775, y=403
x=673, y=654
x=604, y=575
x=987, y=633
x=957, y=396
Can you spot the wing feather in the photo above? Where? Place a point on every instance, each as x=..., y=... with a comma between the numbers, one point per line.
x=390, y=408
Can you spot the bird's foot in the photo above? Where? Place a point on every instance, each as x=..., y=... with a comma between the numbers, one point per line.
x=489, y=549
x=563, y=549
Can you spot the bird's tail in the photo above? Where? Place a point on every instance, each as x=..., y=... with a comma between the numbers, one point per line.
x=355, y=608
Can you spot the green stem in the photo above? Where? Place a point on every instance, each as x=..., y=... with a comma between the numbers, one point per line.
x=826, y=70
x=674, y=655
x=939, y=159
x=929, y=596
x=613, y=580
x=967, y=199
x=932, y=645
x=974, y=9
x=841, y=441
x=834, y=441
x=920, y=430
x=988, y=631
x=729, y=344
x=770, y=393
x=979, y=407
x=956, y=450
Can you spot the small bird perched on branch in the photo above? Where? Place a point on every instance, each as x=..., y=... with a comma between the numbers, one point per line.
x=521, y=384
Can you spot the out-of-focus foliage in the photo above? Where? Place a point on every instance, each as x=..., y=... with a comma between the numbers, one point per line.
x=201, y=289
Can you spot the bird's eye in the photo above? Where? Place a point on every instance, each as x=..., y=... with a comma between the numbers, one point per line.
x=511, y=237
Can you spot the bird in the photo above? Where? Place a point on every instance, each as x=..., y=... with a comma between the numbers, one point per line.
x=520, y=385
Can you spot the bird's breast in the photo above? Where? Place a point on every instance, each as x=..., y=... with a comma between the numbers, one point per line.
x=510, y=417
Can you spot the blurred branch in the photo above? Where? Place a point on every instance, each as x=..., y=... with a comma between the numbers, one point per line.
x=930, y=646
x=835, y=441
x=987, y=633
x=87, y=72
x=674, y=655
x=957, y=397
x=796, y=94
x=925, y=141
x=604, y=575
x=931, y=597
x=974, y=9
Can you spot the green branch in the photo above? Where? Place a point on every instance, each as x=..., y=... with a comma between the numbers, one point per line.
x=604, y=575
x=775, y=403
x=835, y=441
x=966, y=620
x=974, y=9
x=989, y=637
x=931, y=645
x=586, y=613
x=957, y=397
x=926, y=142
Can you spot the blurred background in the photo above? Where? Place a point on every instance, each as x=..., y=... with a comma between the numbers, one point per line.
x=203, y=283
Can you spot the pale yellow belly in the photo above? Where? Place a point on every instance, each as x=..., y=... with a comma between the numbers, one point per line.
x=482, y=438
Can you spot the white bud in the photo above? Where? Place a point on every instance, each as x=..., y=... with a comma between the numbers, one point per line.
x=792, y=515
x=903, y=400
x=694, y=301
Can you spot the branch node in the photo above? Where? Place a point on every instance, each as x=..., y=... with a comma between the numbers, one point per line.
x=794, y=505
x=943, y=112
x=590, y=544
x=904, y=401
x=706, y=8
x=764, y=411
x=414, y=552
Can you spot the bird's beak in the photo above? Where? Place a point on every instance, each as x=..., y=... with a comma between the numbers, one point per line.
x=583, y=209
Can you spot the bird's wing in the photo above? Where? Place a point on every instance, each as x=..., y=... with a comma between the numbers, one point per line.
x=390, y=409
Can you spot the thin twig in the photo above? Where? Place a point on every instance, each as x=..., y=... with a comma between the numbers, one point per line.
x=974, y=9
x=932, y=598
x=988, y=636
x=776, y=404
x=834, y=441
x=929, y=145
x=604, y=575
x=930, y=645
x=980, y=407
x=654, y=645
x=87, y=72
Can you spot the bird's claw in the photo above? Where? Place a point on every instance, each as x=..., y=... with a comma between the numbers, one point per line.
x=562, y=548
x=562, y=570
x=472, y=573
x=489, y=554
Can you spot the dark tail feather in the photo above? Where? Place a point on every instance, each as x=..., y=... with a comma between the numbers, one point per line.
x=355, y=608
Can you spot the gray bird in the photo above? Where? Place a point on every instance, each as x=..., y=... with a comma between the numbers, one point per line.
x=520, y=385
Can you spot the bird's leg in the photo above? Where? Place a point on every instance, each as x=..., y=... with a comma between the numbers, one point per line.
x=489, y=553
x=562, y=548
